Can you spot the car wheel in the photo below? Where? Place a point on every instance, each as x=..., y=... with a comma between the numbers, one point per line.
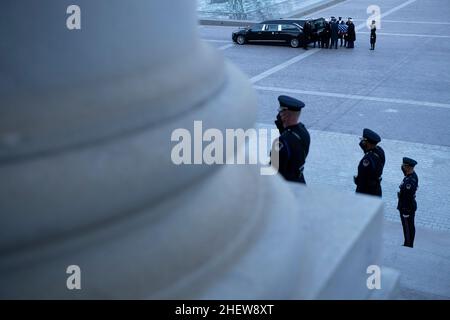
x=294, y=43
x=240, y=40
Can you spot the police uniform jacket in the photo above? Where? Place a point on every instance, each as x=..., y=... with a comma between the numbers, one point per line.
x=292, y=149
x=370, y=170
x=407, y=194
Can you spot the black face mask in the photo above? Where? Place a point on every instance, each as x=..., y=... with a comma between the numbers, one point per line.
x=403, y=170
x=363, y=146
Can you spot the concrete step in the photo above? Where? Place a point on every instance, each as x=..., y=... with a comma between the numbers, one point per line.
x=424, y=269
x=390, y=279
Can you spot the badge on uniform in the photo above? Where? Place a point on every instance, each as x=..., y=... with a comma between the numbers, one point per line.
x=408, y=186
x=366, y=162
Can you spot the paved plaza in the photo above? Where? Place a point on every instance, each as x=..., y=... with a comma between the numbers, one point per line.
x=401, y=90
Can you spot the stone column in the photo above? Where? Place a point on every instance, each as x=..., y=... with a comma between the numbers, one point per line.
x=86, y=176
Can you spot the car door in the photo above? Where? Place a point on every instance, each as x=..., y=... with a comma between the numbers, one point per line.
x=289, y=31
x=255, y=33
x=271, y=33
x=319, y=25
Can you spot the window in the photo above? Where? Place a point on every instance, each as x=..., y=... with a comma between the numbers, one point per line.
x=319, y=24
x=289, y=27
x=257, y=27
x=271, y=27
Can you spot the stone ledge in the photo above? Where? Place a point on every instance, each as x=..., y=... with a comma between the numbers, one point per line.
x=390, y=280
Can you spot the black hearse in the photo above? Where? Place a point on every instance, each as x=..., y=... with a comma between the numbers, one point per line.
x=288, y=31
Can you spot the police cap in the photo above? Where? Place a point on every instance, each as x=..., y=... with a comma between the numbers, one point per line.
x=290, y=103
x=371, y=136
x=410, y=162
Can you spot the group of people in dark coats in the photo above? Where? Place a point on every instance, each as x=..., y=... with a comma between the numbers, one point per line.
x=333, y=31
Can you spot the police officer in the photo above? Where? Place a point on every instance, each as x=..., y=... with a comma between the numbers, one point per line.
x=290, y=150
x=371, y=166
x=407, y=204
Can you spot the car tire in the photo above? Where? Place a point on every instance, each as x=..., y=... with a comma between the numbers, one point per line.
x=294, y=43
x=240, y=40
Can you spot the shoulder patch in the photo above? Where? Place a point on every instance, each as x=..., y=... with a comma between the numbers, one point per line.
x=365, y=162
x=408, y=186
